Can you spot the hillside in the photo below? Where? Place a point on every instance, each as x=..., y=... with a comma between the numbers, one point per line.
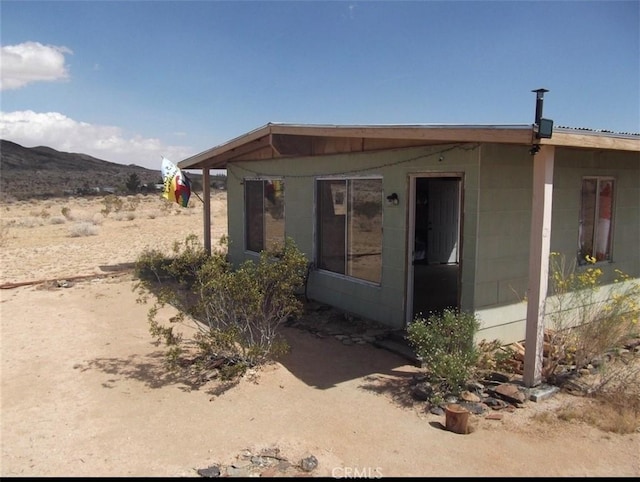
x=40, y=172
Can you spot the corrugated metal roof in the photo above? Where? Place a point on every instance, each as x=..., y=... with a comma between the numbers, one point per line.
x=598, y=131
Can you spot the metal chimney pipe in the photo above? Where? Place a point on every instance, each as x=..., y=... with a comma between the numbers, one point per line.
x=539, y=101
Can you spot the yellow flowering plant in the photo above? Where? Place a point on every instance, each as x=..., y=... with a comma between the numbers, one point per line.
x=585, y=317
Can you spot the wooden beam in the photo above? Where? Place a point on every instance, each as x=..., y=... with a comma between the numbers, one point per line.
x=539, y=251
x=209, y=157
x=591, y=141
x=206, y=212
x=510, y=135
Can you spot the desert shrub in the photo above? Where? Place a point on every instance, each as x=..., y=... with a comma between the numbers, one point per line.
x=66, y=212
x=4, y=233
x=182, y=266
x=30, y=222
x=133, y=202
x=236, y=312
x=112, y=203
x=125, y=216
x=57, y=220
x=445, y=344
x=586, y=320
x=82, y=229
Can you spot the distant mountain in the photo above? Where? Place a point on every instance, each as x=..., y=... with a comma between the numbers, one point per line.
x=27, y=172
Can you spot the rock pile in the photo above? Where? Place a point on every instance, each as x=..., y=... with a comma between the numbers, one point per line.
x=266, y=463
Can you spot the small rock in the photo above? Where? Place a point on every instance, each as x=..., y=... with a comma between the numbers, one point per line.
x=436, y=410
x=213, y=471
x=469, y=397
x=495, y=403
x=419, y=377
x=422, y=391
x=510, y=392
x=473, y=407
x=475, y=387
x=309, y=463
x=494, y=416
x=497, y=377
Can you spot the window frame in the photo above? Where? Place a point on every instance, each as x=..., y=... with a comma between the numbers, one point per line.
x=591, y=224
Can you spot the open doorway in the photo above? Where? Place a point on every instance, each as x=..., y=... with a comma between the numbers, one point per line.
x=434, y=244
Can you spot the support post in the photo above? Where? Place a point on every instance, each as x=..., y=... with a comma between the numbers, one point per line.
x=539, y=251
x=206, y=211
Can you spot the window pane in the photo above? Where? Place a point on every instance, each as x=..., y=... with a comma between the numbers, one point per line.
x=596, y=218
x=603, y=230
x=364, y=252
x=274, y=213
x=254, y=218
x=332, y=202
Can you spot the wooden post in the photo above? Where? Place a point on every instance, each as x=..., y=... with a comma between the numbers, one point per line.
x=206, y=211
x=539, y=251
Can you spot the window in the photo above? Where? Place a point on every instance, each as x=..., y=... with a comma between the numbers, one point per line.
x=596, y=218
x=264, y=214
x=349, y=217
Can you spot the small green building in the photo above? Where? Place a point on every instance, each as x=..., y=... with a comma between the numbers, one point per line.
x=399, y=220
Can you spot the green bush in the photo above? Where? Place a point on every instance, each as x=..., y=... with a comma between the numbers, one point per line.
x=445, y=344
x=237, y=313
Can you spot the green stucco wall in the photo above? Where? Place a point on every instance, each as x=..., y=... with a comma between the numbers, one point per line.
x=384, y=303
x=496, y=220
x=504, y=230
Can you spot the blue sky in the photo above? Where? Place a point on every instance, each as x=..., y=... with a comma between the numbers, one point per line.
x=130, y=81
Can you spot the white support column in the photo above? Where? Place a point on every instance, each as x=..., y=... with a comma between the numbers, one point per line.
x=206, y=212
x=539, y=250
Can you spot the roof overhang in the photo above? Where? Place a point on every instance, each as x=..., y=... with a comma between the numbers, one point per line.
x=275, y=140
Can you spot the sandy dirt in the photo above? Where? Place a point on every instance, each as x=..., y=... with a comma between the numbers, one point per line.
x=84, y=392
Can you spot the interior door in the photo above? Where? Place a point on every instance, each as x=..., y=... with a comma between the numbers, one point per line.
x=442, y=220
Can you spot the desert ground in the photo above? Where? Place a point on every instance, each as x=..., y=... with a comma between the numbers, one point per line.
x=84, y=392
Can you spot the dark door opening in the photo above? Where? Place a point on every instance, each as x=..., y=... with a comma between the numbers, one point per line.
x=435, y=264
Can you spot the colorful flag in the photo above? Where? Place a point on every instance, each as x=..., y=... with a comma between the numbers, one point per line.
x=177, y=186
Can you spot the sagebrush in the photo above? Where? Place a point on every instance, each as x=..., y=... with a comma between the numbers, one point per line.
x=237, y=311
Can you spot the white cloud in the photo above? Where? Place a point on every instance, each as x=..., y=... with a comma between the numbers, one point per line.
x=109, y=143
x=31, y=62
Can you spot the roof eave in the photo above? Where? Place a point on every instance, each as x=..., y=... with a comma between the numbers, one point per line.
x=520, y=134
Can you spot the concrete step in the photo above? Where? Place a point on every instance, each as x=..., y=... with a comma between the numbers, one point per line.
x=398, y=345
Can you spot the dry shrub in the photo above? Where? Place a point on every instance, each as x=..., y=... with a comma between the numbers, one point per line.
x=57, y=220
x=612, y=392
x=82, y=229
x=601, y=413
x=97, y=219
x=4, y=233
x=30, y=222
x=66, y=212
x=124, y=216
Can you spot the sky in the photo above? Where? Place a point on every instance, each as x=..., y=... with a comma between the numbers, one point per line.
x=132, y=81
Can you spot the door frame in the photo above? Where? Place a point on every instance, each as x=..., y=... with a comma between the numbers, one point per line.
x=411, y=232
